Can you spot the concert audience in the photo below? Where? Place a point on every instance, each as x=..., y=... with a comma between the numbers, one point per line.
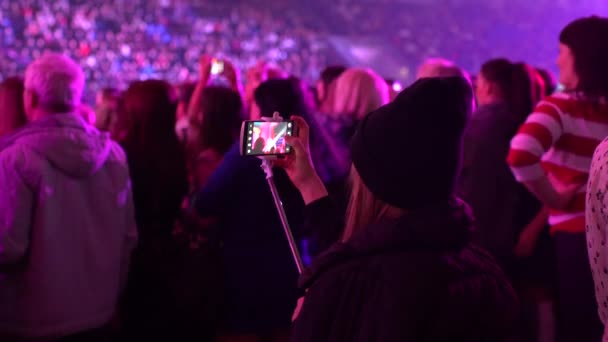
x=67, y=221
x=398, y=257
x=404, y=268
x=551, y=156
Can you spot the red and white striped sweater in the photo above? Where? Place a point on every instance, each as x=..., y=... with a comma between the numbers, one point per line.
x=559, y=139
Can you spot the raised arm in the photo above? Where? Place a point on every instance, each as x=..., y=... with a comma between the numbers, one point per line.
x=204, y=74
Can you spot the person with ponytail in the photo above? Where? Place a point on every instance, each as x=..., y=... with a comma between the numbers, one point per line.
x=504, y=96
x=502, y=207
x=551, y=155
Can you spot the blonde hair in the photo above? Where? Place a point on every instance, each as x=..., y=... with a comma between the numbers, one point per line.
x=364, y=208
x=357, y=92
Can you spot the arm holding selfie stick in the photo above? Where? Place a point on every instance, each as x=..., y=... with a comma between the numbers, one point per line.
x=267, y=167
x=299, y=165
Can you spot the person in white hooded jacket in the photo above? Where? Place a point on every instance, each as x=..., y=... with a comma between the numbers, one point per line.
x=67, y=224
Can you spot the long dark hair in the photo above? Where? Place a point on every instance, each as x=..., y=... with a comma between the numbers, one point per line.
x=156, y=158
x=147, y=119
x=281, y=95
x=515, y=84
x=12, y=113
x=586, y=38
x=222, y=114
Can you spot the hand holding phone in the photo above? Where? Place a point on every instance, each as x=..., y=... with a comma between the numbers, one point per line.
x=299, y=165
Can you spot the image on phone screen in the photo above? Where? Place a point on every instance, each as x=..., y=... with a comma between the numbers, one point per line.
x=267, y=138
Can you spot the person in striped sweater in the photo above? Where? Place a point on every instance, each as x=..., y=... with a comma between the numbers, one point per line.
x=551, y=155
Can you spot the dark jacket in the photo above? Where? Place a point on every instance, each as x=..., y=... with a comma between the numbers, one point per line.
x=160, y=184
x=260, y=274
x=501, y=206
x=411, y=279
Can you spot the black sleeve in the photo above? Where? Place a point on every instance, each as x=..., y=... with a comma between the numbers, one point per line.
x=322, y=224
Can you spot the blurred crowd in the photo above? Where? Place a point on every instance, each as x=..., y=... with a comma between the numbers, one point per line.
x=460, y=207
x=117, y=41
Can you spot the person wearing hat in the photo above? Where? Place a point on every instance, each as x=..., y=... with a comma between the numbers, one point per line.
x=551, y=155
x=403, y=268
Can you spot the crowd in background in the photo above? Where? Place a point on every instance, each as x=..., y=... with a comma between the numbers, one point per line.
x=117, y=41
x=138, y=217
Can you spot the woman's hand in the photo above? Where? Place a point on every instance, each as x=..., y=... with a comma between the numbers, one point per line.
x=299, y=166
x=205, y=69
x=231, y=74
x=526, y=243
x=553, y=193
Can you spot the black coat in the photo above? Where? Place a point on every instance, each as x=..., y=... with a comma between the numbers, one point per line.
x=412, y=279
x=501, y=206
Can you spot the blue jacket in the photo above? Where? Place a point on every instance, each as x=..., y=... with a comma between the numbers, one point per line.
x=260, y=274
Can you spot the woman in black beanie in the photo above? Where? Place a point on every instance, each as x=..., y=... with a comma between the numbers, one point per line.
x=403, y=269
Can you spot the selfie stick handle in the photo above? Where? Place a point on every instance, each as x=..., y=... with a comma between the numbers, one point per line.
x=277, y=201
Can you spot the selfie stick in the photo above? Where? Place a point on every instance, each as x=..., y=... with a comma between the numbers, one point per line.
x=267, y=167
x=277, y=201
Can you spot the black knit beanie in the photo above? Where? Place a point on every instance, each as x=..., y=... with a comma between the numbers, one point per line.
x=408, y=152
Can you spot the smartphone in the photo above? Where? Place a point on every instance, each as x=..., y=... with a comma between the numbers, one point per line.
x=217, y=66
x=264, y=138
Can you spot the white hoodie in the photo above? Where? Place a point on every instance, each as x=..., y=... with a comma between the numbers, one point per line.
x=67, y=228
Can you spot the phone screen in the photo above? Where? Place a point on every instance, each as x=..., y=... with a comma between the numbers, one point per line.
x=266, y=138
x=217, y=67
